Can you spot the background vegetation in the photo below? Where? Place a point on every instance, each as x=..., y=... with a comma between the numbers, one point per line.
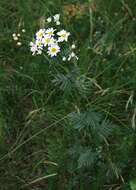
x=70, y=127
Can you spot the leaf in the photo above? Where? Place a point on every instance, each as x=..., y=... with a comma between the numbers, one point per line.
x=87, y=158
x=85, y=119
x=63, y=81
x=92, y=122
x=106, y=128
x=73, y=81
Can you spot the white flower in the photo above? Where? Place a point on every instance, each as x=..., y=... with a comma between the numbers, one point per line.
x=14, y=35
x=23, y=30
x=58, y=23
x=50, y=31
x=63, y=36
x=64, y=59
x=31, y=43
x=73, y=46
x=15, y=38
x=39, y=52
x=49, y=19
x=47, y=40
x=72, y=55
x=19, y=43
x=18, y=35
x=33, y=48
x=56, y=17
x=53, y=50
x=40, y=34
x=39, y=44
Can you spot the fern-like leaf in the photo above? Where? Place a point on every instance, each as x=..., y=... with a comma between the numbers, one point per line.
x=87, y=159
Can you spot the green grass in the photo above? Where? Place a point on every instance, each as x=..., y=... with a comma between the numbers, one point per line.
x=65, y=126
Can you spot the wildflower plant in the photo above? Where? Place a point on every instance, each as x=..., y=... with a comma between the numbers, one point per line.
x=68, y=124
x=53, y=41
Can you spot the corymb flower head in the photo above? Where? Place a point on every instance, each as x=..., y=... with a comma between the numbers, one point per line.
x=63, y=35
x=49, y=40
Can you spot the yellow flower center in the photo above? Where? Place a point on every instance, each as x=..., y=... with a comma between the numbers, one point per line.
x=39, y=44
x=40, y=34
x=53, y=50
x=47, y=40
x=50, y=33
x=63, y=35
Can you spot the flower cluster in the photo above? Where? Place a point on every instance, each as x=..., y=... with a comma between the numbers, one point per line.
x=71, y=55
x=16, y=37
x=51, y=40
x=56, y=19
x=47, y=38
